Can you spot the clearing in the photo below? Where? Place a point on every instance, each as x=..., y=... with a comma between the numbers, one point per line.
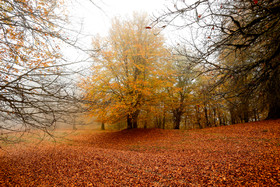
x=237, y=155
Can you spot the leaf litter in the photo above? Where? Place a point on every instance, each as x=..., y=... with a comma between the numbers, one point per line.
x=236, y=155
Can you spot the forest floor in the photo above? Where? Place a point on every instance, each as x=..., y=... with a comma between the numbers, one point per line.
x=237, y=155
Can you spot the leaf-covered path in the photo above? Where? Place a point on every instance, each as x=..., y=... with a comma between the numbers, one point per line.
x=243, y=154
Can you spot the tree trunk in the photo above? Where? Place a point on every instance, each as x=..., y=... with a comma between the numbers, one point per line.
x=245, y=116
x=135, y=119
x=159, y=122
x=273, y=97
x=206, y=115
x=233, y=116
x=177, y=115
x=129, y=122
x=163, y=121
x=255, y=115
x=198, y=116
x=135, y=123
x=102, y=126
x=274, y=111
x=177, y=122
x=145, y=124
x=214, y=117
x=132, y=120
x=220, y=118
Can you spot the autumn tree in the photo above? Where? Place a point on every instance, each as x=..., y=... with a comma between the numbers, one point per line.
x=247, y=28
x=125, y=72
x=33, y=92
x=179, y=95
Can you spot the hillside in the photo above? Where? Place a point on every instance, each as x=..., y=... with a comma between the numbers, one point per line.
x=242, y=154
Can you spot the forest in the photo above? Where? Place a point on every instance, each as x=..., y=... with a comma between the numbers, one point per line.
x=225, y=71
x=136, y=81
x=199, y=108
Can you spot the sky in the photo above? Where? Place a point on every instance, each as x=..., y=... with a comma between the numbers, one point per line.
x=97, y=19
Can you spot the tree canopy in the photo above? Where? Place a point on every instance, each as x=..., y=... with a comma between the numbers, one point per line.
x=33, y=93
x=238, y=41
x=125, y=70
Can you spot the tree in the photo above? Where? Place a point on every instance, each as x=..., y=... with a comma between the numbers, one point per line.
x=245, y=28
x=125, y=73
x=179, y=93
x=33, y=92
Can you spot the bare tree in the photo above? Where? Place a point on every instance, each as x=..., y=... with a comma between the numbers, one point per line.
x=34, y=90
x=246, y=30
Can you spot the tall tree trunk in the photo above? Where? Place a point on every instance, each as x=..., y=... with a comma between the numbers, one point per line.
x=135, y=118
x=129, y=122
x=159, y=121
x=163, y=121
x=274, y=111
x=255, y=114
x=198, y=117
x=220, y=118
x=135, y=123
x=132, y=120
x=102, y=125
x=177, y=121
x=246, y=114
x=145, y=124
x=177, y=116
x=206, y=115
x=185, y=122
x=273, y=97
x=233, y=116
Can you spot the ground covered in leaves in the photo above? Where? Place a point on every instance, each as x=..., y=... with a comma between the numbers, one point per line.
x=237, y=155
